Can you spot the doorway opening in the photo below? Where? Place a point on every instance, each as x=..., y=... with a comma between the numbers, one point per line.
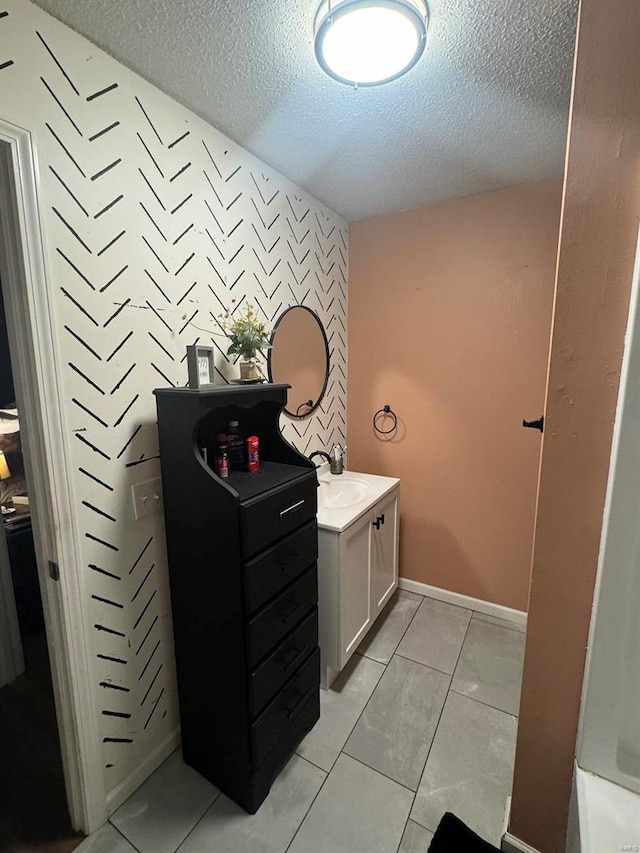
x=49, y=597
x=33, y=802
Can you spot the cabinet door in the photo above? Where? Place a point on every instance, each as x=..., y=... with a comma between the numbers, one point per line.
x=384, y=556
x=355, y=587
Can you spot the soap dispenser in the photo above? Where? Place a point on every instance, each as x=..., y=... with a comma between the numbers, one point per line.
x=337, y=459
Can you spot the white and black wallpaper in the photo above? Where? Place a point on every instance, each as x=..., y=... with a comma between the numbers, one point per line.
x=155, y=224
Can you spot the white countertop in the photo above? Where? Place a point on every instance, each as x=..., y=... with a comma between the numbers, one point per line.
x=360, y=491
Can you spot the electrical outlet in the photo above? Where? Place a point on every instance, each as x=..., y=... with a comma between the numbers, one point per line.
x=147, y=498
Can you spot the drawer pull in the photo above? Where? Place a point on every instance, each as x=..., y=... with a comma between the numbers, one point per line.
x=287, y=612
x=298, y=654
x=300, y=700
x=292, y=508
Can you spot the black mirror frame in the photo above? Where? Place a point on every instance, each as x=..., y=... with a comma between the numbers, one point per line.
x=317, y=402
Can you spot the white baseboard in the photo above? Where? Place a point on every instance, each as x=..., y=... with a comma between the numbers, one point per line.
x=124, y=789
x=511, y=844
x=446, y=595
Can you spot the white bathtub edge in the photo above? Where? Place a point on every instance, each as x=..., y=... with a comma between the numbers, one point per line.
x=607, y=816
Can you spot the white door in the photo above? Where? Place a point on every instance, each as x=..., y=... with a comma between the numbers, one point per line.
x=355, y=589
x=609, y=737
x=35, y=364
x=384, y=548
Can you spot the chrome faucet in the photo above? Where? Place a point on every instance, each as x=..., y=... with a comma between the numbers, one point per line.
x=321, y=453
x=337, y=458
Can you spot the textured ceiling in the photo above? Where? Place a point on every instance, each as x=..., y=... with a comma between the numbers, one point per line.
x=485, y=108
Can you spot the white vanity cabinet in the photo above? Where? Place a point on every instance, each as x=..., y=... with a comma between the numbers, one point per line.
x=357, y=571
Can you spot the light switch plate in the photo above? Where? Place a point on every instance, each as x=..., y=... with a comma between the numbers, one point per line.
x=147, y=498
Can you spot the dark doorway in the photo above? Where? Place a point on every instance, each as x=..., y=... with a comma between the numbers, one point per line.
x=33, y=805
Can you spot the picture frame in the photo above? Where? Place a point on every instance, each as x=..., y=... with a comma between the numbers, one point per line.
x=200, y=366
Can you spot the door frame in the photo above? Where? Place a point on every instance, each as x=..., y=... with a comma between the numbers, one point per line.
x=36, y=367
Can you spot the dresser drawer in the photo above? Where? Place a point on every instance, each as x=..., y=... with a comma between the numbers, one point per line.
x=266, y=519
x=284, y=709
x=268, y=678
x=275, y=620
x=265, y=575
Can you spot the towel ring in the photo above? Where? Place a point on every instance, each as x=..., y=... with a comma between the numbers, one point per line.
x=385, y=410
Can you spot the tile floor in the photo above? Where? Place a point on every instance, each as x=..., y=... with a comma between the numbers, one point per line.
x=421, y=721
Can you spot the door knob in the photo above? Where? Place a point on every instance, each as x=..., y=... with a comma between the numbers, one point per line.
x=537, y=424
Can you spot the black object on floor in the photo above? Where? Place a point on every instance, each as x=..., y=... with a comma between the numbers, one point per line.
x=453, y=836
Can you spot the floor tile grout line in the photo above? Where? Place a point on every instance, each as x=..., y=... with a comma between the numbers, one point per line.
x=450, y=677
x=449, y=691
x=199, y=821
x=435, y=669
x=413, y=616
x=413, y=798
x=464, y=639
x=122, y=835
x=351, y=730
x=435, y=731
x=480, y=702
x=313, y=764
x=379, y=772
x=409, y=623
x=479, y=618
x=423, y=665
x=342, y=752
x=428, y=828
x=304, y=817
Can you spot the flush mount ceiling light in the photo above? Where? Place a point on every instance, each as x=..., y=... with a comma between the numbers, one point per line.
x=368, y=42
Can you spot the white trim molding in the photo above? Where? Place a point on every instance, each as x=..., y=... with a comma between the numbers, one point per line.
x=518, y=617
x=511, y=844
x=37, y=370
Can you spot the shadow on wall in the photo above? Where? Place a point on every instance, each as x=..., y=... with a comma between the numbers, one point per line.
x=438, y=539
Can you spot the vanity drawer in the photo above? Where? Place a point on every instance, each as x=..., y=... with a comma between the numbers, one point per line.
x=275, y=568
x=273, y=672
x=275, y=620
x=283, y=711
x=266, y=519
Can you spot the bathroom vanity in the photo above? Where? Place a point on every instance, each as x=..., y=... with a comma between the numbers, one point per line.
x=358, y=523
x=242, y=566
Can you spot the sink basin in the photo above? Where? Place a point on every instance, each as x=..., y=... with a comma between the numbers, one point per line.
x=342, y=491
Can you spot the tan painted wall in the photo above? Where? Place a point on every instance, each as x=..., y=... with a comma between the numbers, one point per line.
x=600, y=226
x=449, y=322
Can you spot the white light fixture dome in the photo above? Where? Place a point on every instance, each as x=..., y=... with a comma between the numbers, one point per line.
x=368, y=42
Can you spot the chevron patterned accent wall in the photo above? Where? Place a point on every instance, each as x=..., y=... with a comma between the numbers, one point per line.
x=154, y=223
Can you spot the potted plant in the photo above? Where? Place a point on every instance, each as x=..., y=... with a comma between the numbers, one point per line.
x=249, y=336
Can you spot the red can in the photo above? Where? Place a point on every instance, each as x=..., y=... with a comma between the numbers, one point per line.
x=253, y=457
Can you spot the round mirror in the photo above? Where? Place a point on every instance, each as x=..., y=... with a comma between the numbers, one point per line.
x=299, y=356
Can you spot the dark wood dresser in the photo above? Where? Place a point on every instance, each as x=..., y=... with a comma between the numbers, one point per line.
x=242, y=566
